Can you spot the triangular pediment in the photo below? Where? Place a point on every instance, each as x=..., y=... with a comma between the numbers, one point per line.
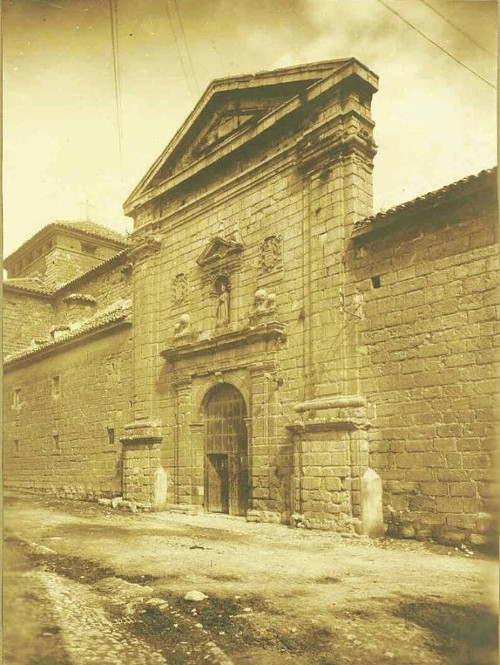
x=223, y=119
x=231, y=112
x=218, y=250
x=225, y=124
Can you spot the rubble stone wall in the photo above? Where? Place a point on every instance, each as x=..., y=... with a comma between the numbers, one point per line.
x=427, y=346
x=57, y=431
x=25, y=316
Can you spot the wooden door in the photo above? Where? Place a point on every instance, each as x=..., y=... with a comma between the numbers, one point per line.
x=218, y=483
x=226, y=459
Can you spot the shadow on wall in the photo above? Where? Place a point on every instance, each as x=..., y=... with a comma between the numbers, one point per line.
x=465, y=635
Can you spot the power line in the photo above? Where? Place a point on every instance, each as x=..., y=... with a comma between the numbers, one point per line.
x=116, y=72
x=179, y=51
x=437, y=45
x=193, y=72
x=465, y=34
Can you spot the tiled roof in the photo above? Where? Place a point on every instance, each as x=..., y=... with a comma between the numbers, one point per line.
x=28, y=284
x=37, y=285
x=90, y=229
x=424, y=202
x=119, y=310
x=94, y=270
x=93, y=229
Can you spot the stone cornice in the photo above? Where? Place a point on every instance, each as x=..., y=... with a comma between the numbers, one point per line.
x=250, y=178
x=326, y=425
x=144, y=248
x=343, y=135
x=265, y=332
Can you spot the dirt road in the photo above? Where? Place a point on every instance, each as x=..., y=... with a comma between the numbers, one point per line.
x=86, y=584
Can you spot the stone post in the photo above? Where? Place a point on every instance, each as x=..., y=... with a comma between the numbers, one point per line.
x=143, y=480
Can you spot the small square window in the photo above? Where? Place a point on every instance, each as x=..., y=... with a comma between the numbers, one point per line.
x=111, y=435
x=376, y=282
x=56, y=386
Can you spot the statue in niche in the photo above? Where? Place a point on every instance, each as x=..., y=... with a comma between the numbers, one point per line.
x=222, y=306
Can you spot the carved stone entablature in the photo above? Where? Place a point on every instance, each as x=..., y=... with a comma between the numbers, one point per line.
x=263, y=308
x=344, y=412
x=327, y=425
x=179, y=288
x=144, y=248
x=221, y=253
x=271, y=331
x=145, y=431
x=271, y=254
x=321, y=147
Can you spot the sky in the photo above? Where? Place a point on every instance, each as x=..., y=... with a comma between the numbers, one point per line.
x=65, y=156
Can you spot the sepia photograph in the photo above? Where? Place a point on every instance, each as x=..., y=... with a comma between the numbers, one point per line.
x=250, y=332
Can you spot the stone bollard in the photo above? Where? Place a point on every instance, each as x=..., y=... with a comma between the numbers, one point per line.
x=372, y=517
x=160, y=489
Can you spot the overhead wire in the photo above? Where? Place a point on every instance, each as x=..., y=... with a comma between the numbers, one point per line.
x=422, y=34
x=113, y=11
x=465, y=34
x=193, y=71
x=179, y=51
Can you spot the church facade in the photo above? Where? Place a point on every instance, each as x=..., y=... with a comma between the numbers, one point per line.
x=263, y=345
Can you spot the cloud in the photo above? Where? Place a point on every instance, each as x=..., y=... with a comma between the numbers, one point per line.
x=435, y=121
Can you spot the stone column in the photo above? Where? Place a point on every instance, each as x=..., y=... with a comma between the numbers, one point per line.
x=143, y=476
x=183, y=454
x=197, y=436
x=262, y=444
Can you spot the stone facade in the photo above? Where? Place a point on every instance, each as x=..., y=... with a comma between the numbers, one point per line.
x=290, y=353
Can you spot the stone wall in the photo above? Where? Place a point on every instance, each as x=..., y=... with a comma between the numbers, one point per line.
x=64, y=264
x=25, y=317
x=105, y=285
x=428, y=296
x=62, y=429
x=287, y=212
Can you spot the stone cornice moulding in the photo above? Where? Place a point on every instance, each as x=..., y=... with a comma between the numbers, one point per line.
x=327, y=425
x=212, y=257
x=145, y=247
x=269, y=331
x=236, y=186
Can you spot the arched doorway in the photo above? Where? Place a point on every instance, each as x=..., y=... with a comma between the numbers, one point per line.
x=226, y=451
